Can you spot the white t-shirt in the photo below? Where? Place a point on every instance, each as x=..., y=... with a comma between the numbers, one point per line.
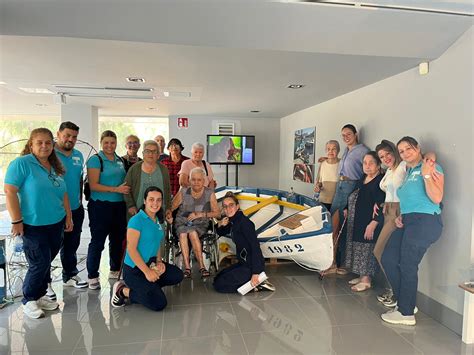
x=392, y=181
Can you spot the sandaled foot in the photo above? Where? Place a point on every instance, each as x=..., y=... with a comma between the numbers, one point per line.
x=187, y=273
x=354, y=281
x=341, y=271
x=204, y=272
x=361, y=286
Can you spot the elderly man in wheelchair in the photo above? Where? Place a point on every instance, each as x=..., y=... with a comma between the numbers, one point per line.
x=196, y=205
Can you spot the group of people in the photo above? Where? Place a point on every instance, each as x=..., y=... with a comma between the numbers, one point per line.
x=382, y=218
x=129, y=198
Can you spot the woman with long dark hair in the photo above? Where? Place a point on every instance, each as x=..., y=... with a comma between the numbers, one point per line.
x=39, y=209
x=418, y=226
x=143, y=271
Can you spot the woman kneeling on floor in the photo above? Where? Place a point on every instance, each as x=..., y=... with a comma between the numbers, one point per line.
x=251, y=262
x=143, y=271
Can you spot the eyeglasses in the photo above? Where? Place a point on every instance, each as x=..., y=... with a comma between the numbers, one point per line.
x=133, y=143
x=53, y=179
x=230, y=205
x=149, y=151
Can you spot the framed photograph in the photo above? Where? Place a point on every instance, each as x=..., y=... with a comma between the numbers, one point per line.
x=303, y=173
x=304, y=146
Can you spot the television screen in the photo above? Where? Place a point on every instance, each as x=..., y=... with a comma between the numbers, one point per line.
x=223, y=149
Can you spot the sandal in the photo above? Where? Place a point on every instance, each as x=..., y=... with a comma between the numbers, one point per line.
x=187, y=273
x=204, y=272
x=361, y=286
x=354, y=281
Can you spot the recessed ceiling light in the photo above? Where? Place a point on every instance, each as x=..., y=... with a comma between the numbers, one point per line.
x=135, y=79
x=36, y=90
x=295, y=86
x=41, y=105
x=151, y=108
x=255, y=111
x=166, y=93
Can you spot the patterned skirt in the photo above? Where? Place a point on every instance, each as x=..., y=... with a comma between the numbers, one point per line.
x=359, y=257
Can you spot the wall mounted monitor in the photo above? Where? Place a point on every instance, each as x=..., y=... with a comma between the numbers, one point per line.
x=226, y=149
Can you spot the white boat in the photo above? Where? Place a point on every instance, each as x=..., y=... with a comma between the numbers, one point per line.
x=289, y=226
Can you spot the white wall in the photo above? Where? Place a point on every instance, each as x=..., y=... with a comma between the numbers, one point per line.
x=267, y=133
x=437, y=109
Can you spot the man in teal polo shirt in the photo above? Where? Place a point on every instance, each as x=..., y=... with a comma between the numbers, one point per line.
x=73, y=162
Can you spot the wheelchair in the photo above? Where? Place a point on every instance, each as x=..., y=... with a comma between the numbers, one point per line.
x=174, y=256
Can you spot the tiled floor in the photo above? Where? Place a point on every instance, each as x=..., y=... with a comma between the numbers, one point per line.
x=304, y=316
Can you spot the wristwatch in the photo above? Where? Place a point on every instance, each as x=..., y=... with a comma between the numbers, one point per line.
x=427, y=176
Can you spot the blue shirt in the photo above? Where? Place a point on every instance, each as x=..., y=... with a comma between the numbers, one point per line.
x=351, y=162
x=113, y=174
x=73, y=165
x=150, y=238
x=41, y=193
x=412, y=193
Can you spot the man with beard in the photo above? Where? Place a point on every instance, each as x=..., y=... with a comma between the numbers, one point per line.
x=73, y=162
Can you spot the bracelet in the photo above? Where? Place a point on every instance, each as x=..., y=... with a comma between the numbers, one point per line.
x=18, y=221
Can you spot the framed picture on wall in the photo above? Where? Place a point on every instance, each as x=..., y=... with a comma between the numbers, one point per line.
x=303, y=173
x=303, y=152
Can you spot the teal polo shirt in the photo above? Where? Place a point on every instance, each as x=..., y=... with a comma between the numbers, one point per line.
x=412, y=193
x=151, y=235
x=41, y=193
x=113, y=174
x=73, y=165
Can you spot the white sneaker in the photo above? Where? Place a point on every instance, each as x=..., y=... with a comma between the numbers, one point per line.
x=46, y=304
x=32, y=310
x=114, y=275
x=76, y=282
x=395, y=317
x=415, y=310
x=94, y=284
x=50, y=293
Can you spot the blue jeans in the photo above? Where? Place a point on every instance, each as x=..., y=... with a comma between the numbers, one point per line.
x=403, y=253
x=150, y=294
x=339, y=203
x=41, y=245
x=106, y=219
x=71, y=242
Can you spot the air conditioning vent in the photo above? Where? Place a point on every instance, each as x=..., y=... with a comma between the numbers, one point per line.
x=225, y=128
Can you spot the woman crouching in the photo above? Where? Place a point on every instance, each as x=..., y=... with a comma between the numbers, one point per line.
x=143, y=271
x=251, y=262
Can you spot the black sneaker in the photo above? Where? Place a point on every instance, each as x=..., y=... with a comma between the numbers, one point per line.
x=118, y=298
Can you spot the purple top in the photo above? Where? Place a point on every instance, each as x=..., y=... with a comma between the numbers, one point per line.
x=351, y=162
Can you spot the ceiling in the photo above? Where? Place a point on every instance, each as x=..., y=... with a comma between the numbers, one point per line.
x=231, y=56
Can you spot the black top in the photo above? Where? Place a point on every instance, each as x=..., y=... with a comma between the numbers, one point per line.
x=127, y=163
x=369, y=194
x=242, y=232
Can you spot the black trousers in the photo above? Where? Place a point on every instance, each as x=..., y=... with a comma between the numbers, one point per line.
x=70, y=244
x=150, y=294
x=231, y=278
x=106, y=219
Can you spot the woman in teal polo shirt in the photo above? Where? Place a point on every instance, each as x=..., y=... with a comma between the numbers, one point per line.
x=418, y=227
x=38, y=205
x=143, y=271
x=106, y=208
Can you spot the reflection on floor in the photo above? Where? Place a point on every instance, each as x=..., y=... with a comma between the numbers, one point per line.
x=304, y=316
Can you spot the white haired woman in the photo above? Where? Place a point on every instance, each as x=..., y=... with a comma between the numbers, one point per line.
x=144, y=174
x=197, y=204
x=196, y=161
